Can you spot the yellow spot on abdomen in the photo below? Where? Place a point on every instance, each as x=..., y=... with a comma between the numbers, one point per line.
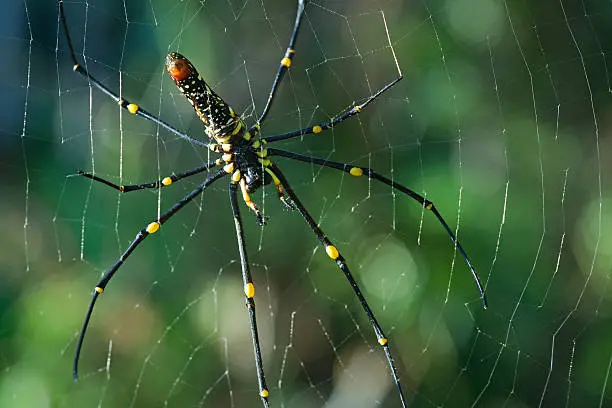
x=317, y=129
x=132, y=108
x=286, y=62
x=383, y=341
x=332, y=252
x=356, y=171
x=236, y=176
x=249, y=290
x=229, y=168
x=237, y=128
x=167, y=181
x=152, y=227
x=223, y=138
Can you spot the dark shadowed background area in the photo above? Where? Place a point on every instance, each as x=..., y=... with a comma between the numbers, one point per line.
x=503, y=119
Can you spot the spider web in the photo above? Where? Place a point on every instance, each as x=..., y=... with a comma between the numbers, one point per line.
x=502, y=120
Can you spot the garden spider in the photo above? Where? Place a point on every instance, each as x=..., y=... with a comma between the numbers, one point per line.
x=245, y=158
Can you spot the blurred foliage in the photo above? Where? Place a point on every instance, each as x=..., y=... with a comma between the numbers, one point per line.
x=502, y=119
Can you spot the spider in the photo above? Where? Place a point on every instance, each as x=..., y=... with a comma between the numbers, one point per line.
x=245, y=159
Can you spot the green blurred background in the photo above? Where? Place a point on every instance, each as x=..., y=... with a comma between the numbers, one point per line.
x=503, y=120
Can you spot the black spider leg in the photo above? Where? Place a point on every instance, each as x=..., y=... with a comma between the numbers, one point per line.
x=371, y=174
x=165, y=181
x=142, y=234
x=335, y=255
x=249, y=292
x=124, y=103
x=284, y=64
x=327, y=125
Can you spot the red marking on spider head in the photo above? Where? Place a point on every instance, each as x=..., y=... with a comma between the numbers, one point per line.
x=178, y=67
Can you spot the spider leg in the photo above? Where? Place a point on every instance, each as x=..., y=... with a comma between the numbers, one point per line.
x=166, y=181
x=371, y=174
x=335, y=255
x=142, y=234
x=330, y=124
x=281, y=191
x=249, y=292
x=124, y=103
x=261, y=219
x=284, y=64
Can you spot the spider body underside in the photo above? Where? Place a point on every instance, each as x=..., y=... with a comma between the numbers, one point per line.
x=245, y=158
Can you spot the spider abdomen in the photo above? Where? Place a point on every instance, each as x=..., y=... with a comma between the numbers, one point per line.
x=220, y=121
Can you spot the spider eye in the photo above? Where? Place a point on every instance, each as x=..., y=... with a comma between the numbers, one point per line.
x=178, y=67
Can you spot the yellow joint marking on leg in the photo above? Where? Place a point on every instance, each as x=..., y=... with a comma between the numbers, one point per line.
x=249, y=290
x=264, y=393
x=247, y=136
x=227, y=157
x=229, y=168
x=245, y=194
x=332, y=252
x=356, y=171
x=291, y=51
x=286, y=62
x=277, y=182
x=237, y=128
x=236, y=176
x=357, y=108
x=232, y=113
x=75, y=67
x=167, y=181
x=152, y=227
x=428, y=206
x=317, y=129
x=132, y=108
x=99, y=289
x=383, y=341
